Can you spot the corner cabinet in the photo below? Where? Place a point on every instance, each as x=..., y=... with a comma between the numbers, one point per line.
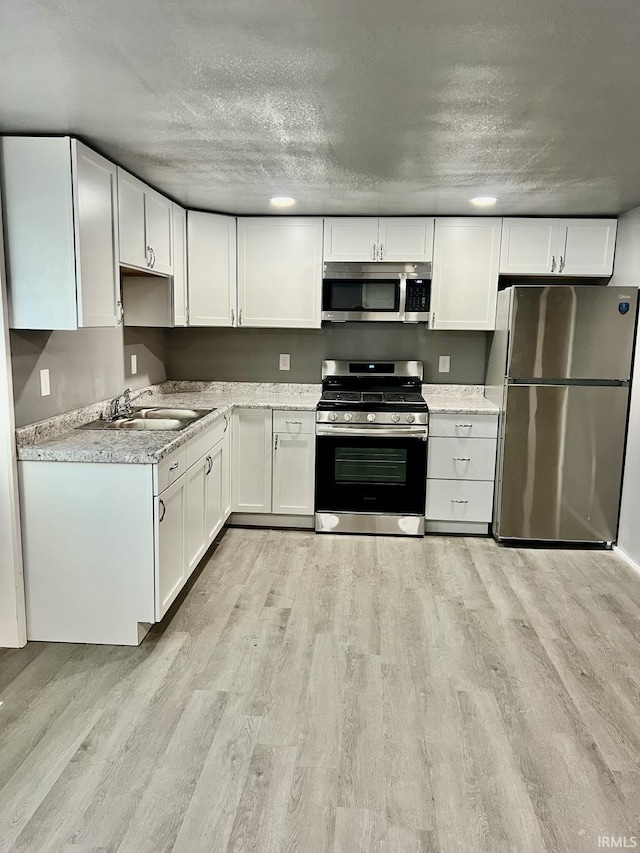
x=145, y=223
x=394, y=238
x=464, y=285
x=61, y=234
x=279, y=272
x=557, y=247
x=211, y=243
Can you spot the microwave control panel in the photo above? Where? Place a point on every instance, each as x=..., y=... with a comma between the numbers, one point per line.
x=418, y=292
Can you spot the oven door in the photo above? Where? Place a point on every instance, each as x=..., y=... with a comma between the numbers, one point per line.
x=372, y=474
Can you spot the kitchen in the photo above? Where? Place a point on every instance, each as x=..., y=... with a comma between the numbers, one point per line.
x=312, y=649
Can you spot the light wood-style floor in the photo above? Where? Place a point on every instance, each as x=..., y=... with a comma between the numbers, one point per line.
x=338, y=693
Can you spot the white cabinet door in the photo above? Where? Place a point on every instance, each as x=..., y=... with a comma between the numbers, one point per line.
x=280, y=272
x=465, y=273
x=529, y=247
x=251, y=470
x=408, y=238
x=179, y=289
x=351, y=239
x=211, y=241
x=586, y=246
x=159, y=212
x=196, y=496
x=214, y=517
x=171, y=551
x=132, y=221
x=97, y=257
x=293, y=473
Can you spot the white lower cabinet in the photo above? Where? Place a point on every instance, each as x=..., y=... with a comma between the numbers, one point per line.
x=461, y=458
x=108, y=546
x=170, y=562
x=273, y=462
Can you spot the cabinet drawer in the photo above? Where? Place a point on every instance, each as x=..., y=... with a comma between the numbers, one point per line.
x=169, y=469
x=464, y=426
x=205, y=440
x=294, y=423
x=459, y=500
x=461, y=458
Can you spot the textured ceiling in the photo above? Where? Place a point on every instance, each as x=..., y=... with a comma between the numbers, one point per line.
x=351, y=106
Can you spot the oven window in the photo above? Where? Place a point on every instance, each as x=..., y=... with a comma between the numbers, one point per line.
x=370, y=465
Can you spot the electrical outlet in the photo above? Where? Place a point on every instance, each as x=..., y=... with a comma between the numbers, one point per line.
x=285, y=361
x=444, y=364
x=45, y=384
x=134, y=364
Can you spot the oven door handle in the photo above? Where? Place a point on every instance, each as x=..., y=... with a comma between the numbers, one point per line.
x=373, y=431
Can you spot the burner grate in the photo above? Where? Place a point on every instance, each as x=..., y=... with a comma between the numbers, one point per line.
x=341, y=396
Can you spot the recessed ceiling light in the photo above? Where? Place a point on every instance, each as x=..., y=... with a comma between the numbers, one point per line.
x=282, y=201
x=484, y=200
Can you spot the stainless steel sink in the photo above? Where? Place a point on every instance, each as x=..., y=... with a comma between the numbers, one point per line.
x=151, y=418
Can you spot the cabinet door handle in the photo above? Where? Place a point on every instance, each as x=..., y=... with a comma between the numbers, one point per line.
x=210, y=466
x=461, y=458
x=226, y=423
x=553, y=263
x=468, y=426
x=373, y=252
x=148, y=256
x=240, y=317
x=174, y=466
x=153, y=258
x=120, y=311
x=454, y=501
x=164, y=510
x=562, y=264
x=381, y=252
x=233, y=317
x=276, y=444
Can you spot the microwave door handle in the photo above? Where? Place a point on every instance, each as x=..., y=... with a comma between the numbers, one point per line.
x=402, y=307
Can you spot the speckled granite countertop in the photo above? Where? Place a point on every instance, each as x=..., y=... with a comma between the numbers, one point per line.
x=58, y=440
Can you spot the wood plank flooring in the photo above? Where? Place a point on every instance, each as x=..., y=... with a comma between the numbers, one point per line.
x=339, y=694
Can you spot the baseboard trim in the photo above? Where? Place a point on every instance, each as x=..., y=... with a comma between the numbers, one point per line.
x=627, y=559
x=258, y=519
x=463, y=528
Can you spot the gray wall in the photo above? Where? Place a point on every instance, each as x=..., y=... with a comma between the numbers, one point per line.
x=85, y=366
x=246, y=355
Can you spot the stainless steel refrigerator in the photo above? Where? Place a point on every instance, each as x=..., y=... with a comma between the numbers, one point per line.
x=559, y=368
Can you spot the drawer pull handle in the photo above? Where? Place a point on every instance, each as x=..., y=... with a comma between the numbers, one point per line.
x=296, y=423
x=461, y=458
x=469, y=426
x=454, y=501
x=174, y=466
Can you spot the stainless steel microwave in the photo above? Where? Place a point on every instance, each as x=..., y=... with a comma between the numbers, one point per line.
x=378, y=291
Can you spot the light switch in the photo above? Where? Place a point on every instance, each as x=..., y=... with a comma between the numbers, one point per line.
x=134, y=364
x=285, y=361
x=45, y=384
x=444, y=364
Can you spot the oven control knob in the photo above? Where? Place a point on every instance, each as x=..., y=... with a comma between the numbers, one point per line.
x=348, y=416
x=410, y=419
x=371, y=416
x=395, y=418
x=333, y=416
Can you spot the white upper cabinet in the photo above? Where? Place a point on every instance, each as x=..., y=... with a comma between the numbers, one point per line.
x=61, y=235
x=179, y=290
x=371, y=239
x=145, y=221
x=558, y=247
x=211, y=242
x=586, y=246
x=350, y=239
x=405, y=239
x=465, y=273
x=279, y=272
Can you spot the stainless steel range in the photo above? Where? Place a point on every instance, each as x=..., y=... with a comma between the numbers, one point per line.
x=372, y=424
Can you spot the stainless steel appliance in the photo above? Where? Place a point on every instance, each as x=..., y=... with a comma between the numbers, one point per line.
x=380, y=291
x=559, y=368
x=371, y=448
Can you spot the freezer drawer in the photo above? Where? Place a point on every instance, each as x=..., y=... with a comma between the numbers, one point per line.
x=560, y=463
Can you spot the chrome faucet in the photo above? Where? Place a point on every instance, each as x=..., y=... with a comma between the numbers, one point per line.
x=119, y=407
